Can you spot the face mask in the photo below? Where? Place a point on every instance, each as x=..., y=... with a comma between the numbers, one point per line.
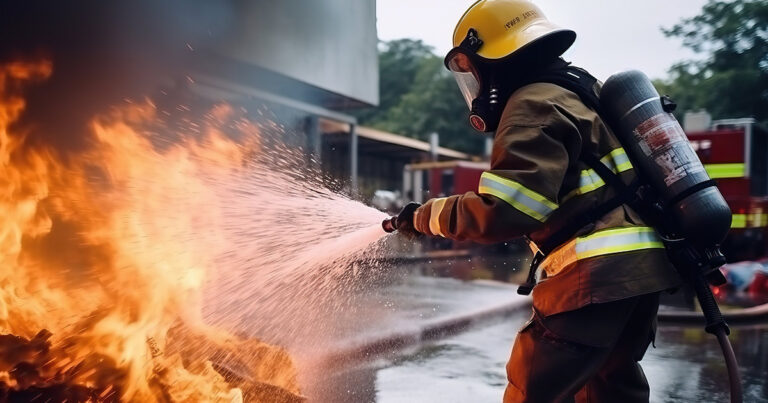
x=486, y=110
x=481, y=95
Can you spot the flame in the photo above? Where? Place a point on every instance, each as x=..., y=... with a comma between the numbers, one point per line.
x=102, y=262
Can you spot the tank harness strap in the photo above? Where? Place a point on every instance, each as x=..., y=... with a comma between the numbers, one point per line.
x=691, y=190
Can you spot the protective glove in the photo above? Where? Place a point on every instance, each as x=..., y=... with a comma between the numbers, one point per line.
x=403, y=223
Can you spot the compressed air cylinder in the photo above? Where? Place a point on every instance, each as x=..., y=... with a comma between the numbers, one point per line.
x=663, y=157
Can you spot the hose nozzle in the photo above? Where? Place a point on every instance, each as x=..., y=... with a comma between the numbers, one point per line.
x=401, y=220
x=389, y=224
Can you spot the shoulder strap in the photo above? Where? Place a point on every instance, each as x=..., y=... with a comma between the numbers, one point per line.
x=580, y=82
x=574, y=79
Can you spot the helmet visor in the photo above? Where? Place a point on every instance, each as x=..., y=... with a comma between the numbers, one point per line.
x=466, y=76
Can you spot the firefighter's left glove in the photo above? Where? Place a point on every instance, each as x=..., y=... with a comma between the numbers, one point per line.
x=405, y=220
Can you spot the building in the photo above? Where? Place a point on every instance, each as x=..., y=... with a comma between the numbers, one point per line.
x=314, y=63
x=310, y=61
x=381, y=158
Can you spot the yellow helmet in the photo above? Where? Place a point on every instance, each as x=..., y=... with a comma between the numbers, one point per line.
x=506, y=26
x=492, y=31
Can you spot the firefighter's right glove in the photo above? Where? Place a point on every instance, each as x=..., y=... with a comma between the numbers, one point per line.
x=405, y=219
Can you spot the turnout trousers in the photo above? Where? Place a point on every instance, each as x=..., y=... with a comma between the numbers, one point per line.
x=590, y=354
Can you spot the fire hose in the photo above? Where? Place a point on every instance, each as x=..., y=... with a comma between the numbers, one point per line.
x=693, y=266
x=716, y=325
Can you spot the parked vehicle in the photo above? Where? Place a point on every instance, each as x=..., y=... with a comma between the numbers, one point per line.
x=735, y=154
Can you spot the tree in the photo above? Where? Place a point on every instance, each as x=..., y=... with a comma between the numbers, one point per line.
x=419, y=96
x=399, y=61
x=732, y=81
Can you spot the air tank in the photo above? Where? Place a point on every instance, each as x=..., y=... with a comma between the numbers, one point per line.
x=664, y=159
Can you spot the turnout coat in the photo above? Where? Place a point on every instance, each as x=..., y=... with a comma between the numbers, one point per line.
x=536, y=184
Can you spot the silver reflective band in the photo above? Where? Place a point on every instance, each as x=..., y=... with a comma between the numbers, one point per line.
x=605, y=242
x=517, y=195
x=641, y=103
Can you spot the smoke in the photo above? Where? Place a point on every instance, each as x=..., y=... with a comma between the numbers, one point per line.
x=104, y=53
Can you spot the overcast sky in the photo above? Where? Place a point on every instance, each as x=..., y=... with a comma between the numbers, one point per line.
x=613, y=35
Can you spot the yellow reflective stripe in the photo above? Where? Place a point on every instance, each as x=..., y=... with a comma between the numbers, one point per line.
x=485, y=190
x=605, y=242
x=619, y=249
x=626, y=166
x=434, y=216
x=723, y=171
x=739, y=221
x=618, y=162
x=617, y=231
x=516, y=195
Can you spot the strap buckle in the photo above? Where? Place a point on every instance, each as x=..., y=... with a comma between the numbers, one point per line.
x=472, y=41
x=530, y=282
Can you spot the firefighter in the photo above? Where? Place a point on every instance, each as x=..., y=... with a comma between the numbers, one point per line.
x=595, y=304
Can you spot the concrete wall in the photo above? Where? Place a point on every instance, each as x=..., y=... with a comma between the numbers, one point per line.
x=322, y=52
x=328, y=44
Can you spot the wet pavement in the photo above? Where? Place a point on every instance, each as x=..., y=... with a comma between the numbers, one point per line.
x=405, y=313
x=465, y=368
x=686, y=366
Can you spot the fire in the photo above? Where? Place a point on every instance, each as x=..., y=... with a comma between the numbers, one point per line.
x=102, y=261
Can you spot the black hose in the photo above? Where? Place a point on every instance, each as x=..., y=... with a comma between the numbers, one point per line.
x=734, y=378
x=716, y=325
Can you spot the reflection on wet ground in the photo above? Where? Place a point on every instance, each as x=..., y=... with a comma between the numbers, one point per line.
x=410, y=304
x=686, y=366
x=465, y=368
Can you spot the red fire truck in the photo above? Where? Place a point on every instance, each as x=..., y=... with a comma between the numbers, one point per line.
x=425, y=180
x=734, y=152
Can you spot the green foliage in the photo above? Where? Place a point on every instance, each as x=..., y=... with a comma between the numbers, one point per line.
x=732, y=81
x=419, y=96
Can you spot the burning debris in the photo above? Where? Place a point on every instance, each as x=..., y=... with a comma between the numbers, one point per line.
x=30, y=370
x=102, y=263
x=196, y=370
